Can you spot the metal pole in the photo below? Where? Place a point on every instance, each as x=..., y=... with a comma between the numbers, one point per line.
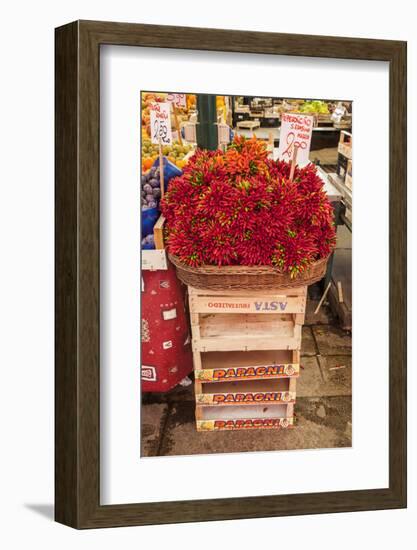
x=207, y=136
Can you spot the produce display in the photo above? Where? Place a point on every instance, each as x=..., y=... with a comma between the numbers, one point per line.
x=148, y=98
x=150, y=189
x=175, y=153
x=314, y=107
x=239, y=207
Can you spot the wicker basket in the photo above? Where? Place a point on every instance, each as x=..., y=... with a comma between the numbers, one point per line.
x=211, y=277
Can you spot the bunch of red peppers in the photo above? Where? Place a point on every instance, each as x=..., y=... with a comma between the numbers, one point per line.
x=241, y=208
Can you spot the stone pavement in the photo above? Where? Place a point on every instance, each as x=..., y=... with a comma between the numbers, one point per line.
x=323, y=408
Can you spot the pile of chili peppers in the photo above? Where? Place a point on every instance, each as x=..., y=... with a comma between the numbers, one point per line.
x=241, y=208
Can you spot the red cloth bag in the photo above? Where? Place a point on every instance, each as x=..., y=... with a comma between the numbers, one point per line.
x=166, y=356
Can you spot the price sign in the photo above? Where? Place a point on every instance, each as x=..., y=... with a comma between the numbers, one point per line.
x=160, y=123
x=296, y=131
x=179, y=100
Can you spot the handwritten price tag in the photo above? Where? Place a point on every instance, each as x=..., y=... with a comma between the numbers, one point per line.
x=160, y=123
x=179, y=100
x=295, y=130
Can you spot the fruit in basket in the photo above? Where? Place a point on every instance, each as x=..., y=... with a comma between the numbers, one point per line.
x=241, y=208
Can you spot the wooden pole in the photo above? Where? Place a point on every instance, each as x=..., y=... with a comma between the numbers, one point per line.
x=161, y=170
x=322, y=298
x=177, y=124
x=293, y=162
x=340, y=292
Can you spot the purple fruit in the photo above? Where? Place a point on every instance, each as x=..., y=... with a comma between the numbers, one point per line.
x=154, y=182
x=152, y=204
x=156, y=193
x=147, y=188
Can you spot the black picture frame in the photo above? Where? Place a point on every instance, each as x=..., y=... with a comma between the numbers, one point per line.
x=77, y=404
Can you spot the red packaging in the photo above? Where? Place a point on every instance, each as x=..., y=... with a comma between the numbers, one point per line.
x=166, y=344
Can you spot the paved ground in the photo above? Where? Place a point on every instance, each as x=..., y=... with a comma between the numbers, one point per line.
x=323, y=407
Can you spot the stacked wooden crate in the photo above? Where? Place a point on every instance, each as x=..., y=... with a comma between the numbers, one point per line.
x=246, y=348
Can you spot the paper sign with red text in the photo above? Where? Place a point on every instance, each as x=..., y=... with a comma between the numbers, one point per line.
x=296, y=129
x=179, y=100
x=161, y=123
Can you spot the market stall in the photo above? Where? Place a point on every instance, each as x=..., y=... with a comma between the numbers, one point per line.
x=239, y=288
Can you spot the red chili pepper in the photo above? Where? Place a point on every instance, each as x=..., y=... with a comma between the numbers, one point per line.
x=240, y=208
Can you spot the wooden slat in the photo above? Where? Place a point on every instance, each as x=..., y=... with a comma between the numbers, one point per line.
x=233, y=399
x=245, y=392
x=296, y=291
x=260, y=304
x=246, y=326
x=225, y=374
x=231, y=359
x=299, y=318
x=246, y=344
x=158, y=233
x=213, y=418
x=197, y=360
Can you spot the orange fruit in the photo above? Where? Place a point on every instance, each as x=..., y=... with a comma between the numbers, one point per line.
x=147, y=163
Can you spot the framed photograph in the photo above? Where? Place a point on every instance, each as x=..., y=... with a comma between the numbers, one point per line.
x=230, y=274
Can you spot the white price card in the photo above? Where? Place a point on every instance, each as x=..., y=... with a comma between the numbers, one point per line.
x=161, y=123
x=179, y=100
x=296, y=130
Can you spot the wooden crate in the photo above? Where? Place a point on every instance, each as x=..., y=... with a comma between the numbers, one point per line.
x=153, y=260
x=246, y=357
x=245, y=332
x=214, y=418
x=348, y=176
x=345, y=144
x=229, y=321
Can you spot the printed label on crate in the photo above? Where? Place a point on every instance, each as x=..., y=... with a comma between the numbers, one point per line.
x=267, y=371
x=286, y=304
x=244, y=424
x=242, y=398
x=296, y=130
x=160, y=123
x=148, y=373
